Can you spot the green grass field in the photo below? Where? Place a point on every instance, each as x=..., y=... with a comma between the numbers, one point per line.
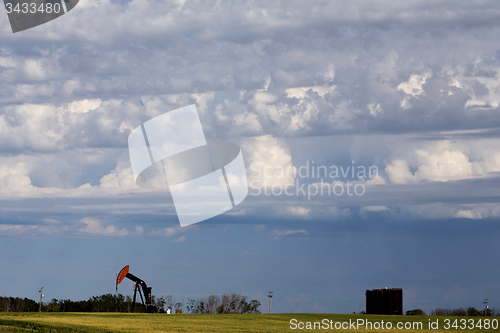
x=119, y=322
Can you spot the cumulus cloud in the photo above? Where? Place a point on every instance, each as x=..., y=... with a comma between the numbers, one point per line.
x=448, y=210
x=468, y=214
x=303, y=90
x=139, y=230
x=363, y=211
x=414, y=85
x=87, y=226
x=14, y=180
x=172, y=231
x=375, y=109
x=87, y=123
x=298, y=210
x=399, y=172
x=119, y=179
x=450, y=165
x=376, y=208
x=95, y=227
x=31, y=230
x=440, y=162
x=180, y=239
x=278, y=234
x=269, y=162
x=261, y=74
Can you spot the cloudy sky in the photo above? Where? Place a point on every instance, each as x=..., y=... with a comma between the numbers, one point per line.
x=408, y=88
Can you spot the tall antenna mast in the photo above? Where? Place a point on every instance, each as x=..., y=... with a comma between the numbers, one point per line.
x=41, y=296
x=270, y=300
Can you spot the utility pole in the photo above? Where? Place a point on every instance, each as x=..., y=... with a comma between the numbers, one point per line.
x=486, y=306
x=40, y=304
x=270, y=300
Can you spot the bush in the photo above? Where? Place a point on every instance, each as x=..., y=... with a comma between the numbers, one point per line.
x=416, y=312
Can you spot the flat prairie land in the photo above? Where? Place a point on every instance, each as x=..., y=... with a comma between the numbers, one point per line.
x=283, y=322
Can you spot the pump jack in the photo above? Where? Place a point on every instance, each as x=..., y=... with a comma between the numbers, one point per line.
x=139, y=285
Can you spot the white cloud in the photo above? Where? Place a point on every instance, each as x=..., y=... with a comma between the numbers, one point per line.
x=376, y=208
x=80, y=123
x=34, y=70
x=180, y=239
x=448, y=165
x=298, y=210
x=95, y=227
x=52, y=227
x=14, y=180
x=269, y=161
x=31, y=230
x=248, y=122
x=414, y=85
x=399, y=172
x=440, y=210
x=172, y=231
x=375, y=109
x=305, y=114
x=301, y=92
x=278, y=234
x=468, y=214
x=84, y=106
x=375, y=180
x=443, y=161
x=120, y=179
x=263, y=104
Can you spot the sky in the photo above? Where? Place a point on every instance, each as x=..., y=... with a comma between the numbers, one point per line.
x=405, y=93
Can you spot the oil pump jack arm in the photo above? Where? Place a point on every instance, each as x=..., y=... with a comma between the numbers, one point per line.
x=145, y=289
x=150, y=308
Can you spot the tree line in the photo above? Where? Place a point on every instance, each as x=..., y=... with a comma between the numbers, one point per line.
x=233, y=303
x=11, y=304
x=227, y=303
x=470, y=312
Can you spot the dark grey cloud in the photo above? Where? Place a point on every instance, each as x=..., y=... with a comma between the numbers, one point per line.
x=199, y=47
x=372, y=82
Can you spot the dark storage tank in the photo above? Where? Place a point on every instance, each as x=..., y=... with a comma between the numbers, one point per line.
x=384, y=301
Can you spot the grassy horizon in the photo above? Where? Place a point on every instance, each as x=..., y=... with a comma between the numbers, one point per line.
x=130, y=322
